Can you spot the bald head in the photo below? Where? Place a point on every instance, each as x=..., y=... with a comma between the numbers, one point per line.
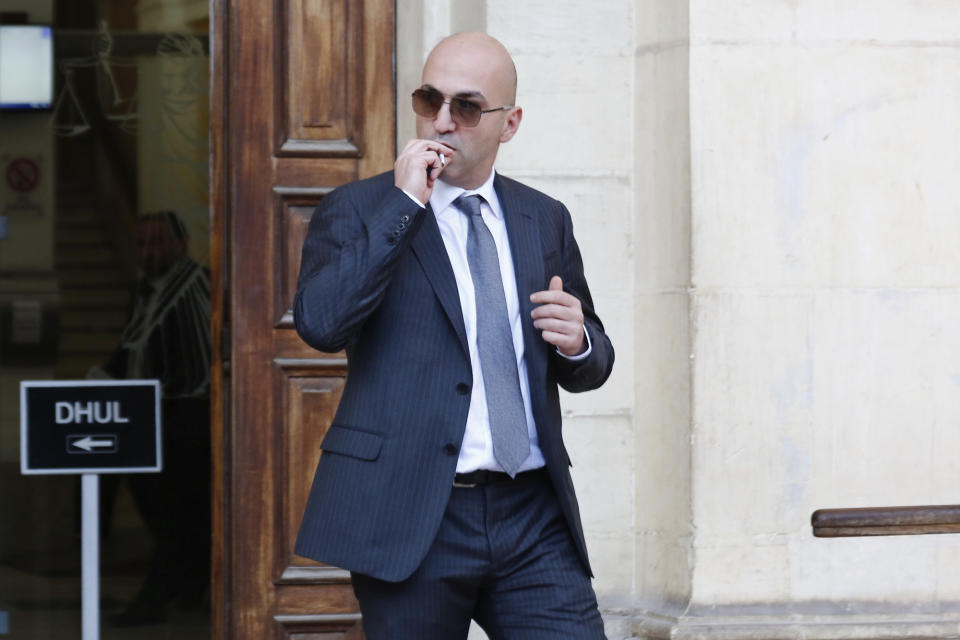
x=475, y=70
x=481, y=51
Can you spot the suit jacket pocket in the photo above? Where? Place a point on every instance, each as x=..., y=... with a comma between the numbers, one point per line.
x=352, y=442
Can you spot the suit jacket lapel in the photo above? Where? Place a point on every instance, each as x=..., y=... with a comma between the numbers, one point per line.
x=523, y=230
x=428, y=247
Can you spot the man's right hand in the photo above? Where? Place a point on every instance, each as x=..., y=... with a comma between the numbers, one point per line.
x=418, y=166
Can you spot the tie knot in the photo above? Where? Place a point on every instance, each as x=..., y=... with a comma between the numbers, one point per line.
x=469, y=204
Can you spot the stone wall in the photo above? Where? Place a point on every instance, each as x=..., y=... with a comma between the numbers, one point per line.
x=825, y=139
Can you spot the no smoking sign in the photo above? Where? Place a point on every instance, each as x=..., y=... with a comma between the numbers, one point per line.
x=23, y=175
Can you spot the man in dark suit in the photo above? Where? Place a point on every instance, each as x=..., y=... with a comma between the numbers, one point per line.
x=460, y=298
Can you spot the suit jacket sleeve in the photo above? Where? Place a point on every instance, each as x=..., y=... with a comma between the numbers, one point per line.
x=355, y=238
x=591, y=372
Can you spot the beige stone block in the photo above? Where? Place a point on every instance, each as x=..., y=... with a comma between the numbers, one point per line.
x=437, y=22
x=662, y=414
x=662, y=441
x=885, y=410
x=561, y=26
x=947, y=558
x=577, y=115
x=732, y=574
x=825, y=165
x=614, y=565
x=821, y=399
x=752, y=396
x=825, y=398
x=603, y=471
x=664, y=564
x=904, y=21
x=907, y=21
x=891, y=569
x=662, y=174
x=662, y=23
x=742, y=20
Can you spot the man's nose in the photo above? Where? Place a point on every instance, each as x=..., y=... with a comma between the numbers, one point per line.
x=443, y=122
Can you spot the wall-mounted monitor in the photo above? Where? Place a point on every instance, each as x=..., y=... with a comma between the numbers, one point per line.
x=26, y=67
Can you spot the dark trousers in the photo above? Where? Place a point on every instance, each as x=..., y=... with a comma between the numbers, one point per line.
x=503, y=557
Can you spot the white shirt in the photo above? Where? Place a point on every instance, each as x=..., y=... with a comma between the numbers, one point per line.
x=476, y=451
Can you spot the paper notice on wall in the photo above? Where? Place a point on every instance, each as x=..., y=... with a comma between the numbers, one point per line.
x=27, y=322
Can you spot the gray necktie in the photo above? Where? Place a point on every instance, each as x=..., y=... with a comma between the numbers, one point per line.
x=498, y=359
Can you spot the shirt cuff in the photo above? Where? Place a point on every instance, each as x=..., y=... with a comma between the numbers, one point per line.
x=414, y=198
x=579, y=356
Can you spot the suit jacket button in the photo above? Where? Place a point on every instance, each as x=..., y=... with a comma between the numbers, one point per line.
x=463, y=388
x=405, y=219
x=450, y=448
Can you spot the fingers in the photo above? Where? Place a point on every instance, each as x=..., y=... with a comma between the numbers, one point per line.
x=555, y=295
x=559, y=317
x=419, y=165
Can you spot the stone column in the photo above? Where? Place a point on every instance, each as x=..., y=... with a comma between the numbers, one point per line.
x=825, y=151
x=662, y=355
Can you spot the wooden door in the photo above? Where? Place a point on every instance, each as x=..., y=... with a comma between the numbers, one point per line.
x=302, y=101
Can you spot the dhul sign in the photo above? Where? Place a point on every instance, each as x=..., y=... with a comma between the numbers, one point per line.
x=90, y=426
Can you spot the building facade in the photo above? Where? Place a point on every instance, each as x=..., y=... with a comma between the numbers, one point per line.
x=766, y=196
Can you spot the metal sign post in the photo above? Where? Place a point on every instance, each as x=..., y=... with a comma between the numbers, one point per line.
x=88, y=428
x=90, y=555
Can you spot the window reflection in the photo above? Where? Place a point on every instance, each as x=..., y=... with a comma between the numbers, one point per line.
x=120, y=158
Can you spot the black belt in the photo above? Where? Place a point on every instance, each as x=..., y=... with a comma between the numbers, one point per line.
x=485, y=476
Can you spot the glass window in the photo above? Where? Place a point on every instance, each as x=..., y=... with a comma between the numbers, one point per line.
x=104, y=272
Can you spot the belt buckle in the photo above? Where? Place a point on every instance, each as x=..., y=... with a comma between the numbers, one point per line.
x=464, y=485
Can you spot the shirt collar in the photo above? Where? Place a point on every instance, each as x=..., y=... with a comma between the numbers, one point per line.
x=444, y=194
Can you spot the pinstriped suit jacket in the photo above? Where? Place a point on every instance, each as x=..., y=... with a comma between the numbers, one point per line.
x=375, y=280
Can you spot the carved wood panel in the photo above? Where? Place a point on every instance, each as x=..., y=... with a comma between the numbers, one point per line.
x=294, y=207
x=311, y=390
x=320, y=50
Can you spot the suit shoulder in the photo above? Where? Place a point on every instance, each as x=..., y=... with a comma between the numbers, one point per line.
x=547, y=208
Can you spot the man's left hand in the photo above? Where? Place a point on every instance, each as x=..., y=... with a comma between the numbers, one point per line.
x=560, y=318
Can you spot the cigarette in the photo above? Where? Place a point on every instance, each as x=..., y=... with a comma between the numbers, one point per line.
x=443, y=159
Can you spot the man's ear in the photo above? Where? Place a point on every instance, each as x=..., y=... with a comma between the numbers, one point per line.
x=511, y=123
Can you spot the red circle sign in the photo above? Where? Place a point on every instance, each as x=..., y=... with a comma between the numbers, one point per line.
x=23, y=175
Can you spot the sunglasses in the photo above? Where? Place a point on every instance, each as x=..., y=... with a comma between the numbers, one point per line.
x=466, y=113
